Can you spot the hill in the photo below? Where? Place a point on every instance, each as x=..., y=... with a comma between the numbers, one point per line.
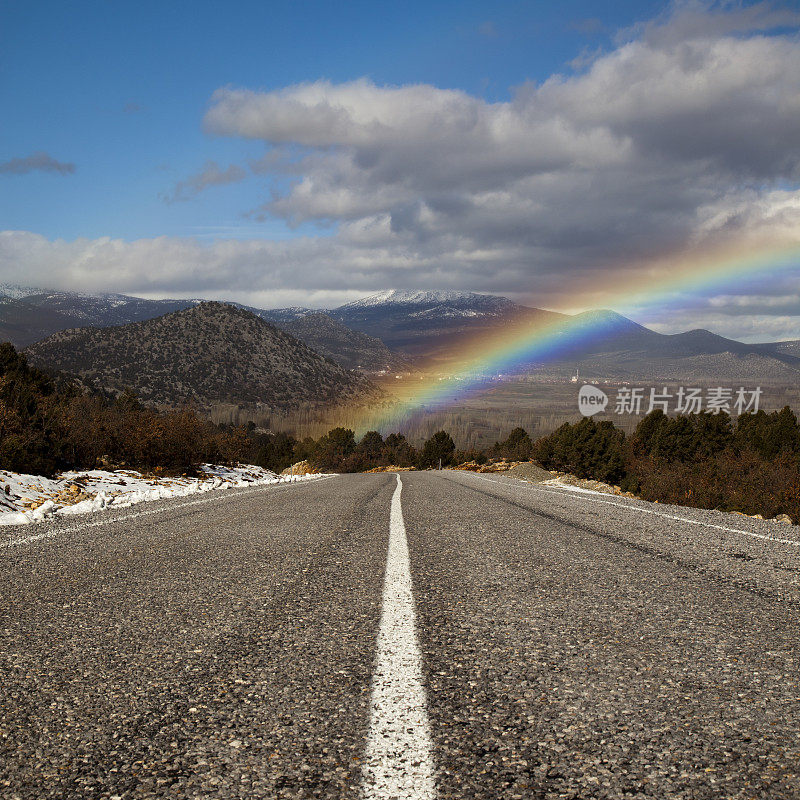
x=28, y=315
x=351, y=349
x=208, y=354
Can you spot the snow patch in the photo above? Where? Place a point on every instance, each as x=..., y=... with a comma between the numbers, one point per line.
x=32, y=498
x=571, y=487
x=16, y=292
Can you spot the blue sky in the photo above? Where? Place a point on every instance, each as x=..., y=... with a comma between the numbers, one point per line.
x=312, y=153
x=120, y=89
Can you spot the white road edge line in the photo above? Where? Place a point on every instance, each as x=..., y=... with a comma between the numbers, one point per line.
x=146, y=513
x=566, y=493
x=398, y=761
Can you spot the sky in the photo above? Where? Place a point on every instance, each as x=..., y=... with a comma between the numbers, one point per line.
x=291, y=153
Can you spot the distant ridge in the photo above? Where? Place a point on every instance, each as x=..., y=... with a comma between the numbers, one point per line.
x=432, y=328
x=209, y=354
x=424, y=323
x=436, y=297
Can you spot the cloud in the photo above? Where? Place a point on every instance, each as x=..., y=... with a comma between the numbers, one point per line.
x=683, y=138
x=686, y=20
x=211, y=175
x=488, y=29
x=750, y=327
x=38, y=161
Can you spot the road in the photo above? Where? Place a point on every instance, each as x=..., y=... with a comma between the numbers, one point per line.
x=517, y=641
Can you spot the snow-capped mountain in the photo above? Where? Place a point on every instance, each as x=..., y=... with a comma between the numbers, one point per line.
x=28, y=315
x=445, y=298
x=424, y=322
x=281, y=316
x=16, y=292
x=107, y=308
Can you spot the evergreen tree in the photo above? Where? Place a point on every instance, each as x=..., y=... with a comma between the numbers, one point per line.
x=332, y=449
x=439, y=446
x=517, y=447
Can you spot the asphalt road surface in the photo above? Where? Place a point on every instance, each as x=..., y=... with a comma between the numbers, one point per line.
x=456, y=636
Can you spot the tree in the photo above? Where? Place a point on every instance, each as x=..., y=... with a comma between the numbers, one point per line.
x=713, y=433
x=371, y=446
x=274, y=451
x=399, y=451
x=641, y=443
x=769, y=435
x=587, y=449
x=332, y=449
x=517, y=447
x=368, y=454
x=439, y=446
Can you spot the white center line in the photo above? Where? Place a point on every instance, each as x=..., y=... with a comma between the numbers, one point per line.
x=398, y=762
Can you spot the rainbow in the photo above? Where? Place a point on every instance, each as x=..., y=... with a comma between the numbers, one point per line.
x=476, y=362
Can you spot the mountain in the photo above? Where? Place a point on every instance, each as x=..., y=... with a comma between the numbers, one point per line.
x=208, y=354
x=467, y=303
x=102, y=310
x=430, y=324
x=614, y=347
x=789, y=348
x=434, y=328
x=28, y=314
x=22, y=323
x=16, y=292
x=280, y=316
x=351, y=349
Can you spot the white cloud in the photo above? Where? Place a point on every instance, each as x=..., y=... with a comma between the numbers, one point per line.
x=633, y=154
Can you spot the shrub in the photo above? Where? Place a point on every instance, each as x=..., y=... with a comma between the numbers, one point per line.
x=729, y=481
x=45, y=428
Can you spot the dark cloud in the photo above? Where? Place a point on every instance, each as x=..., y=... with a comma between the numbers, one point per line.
x=211, y=175
x=36, y=162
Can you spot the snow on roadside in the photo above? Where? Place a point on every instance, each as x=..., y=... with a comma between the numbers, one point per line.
x=32, y=498
x=561, y=484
